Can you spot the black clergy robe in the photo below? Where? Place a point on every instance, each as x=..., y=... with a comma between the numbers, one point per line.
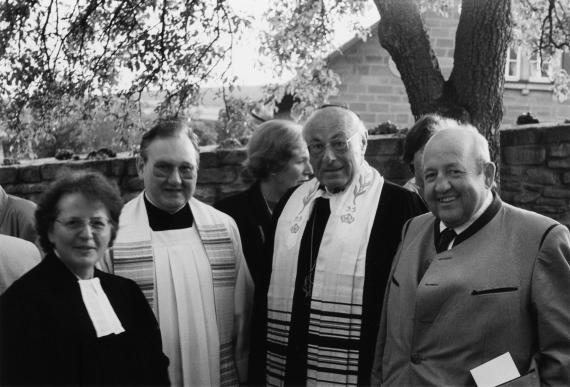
x=395, y=207
x=47, y=337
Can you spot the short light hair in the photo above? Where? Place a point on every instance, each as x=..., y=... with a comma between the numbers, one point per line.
x=480, y=145
x=271, y=147
x=166, y=128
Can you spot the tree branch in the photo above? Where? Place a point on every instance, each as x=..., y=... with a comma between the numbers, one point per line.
x=402, y=33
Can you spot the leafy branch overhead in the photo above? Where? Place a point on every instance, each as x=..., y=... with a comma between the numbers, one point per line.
x=66, y=61
x=81, y=50
x=301, y=32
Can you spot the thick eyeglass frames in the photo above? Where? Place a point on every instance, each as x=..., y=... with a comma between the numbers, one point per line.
x=161, y=169
x=77, y=224
x=338, y=146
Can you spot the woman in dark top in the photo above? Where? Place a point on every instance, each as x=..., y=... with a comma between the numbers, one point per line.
x=277, y=157
x=67, y=323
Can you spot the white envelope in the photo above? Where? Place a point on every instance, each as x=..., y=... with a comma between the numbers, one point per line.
x=496, y=371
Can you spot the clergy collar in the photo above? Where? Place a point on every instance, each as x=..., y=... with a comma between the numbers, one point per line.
x=488, y=214
x=160, y=220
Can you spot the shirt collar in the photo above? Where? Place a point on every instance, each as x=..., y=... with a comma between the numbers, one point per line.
x=458, y=230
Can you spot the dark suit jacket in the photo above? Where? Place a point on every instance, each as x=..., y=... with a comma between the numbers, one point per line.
x=395, y=207
x=47, y=337
x=249, y=210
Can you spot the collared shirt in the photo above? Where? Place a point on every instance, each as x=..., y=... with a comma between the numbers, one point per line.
x=458, y=230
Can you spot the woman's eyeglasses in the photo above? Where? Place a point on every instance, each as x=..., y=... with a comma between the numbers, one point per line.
x=78, y=224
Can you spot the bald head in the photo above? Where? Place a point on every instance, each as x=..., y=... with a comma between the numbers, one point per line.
x=461, y=137
x=335, y=117
x=458, y=174
x=337, y=141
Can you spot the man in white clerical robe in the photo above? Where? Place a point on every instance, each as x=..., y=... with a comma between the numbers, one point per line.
x=187, y=258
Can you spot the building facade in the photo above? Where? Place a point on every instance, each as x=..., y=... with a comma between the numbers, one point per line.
x=371, y=84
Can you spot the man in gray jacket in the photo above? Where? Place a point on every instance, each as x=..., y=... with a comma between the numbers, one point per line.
x=474, y=279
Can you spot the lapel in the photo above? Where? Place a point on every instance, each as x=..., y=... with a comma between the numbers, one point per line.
x=64, y=297
x=256, y=210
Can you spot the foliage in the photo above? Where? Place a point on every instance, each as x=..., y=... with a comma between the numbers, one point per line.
x=63, y=63
x=543, y=25
x=206, y=131
x=312, y=85
x=562, y=86
x=72, y=55
x=63, y=124
x=301, y=32
x=387, y=127
x=235, y=121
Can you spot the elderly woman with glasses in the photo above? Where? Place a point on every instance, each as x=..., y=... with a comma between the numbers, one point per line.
x=67, y=323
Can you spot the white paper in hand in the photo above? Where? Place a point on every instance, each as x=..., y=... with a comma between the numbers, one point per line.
x=494, y=372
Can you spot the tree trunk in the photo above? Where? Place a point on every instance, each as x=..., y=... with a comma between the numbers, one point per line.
x=402, y=33
x=474, y=91
x=478, y=75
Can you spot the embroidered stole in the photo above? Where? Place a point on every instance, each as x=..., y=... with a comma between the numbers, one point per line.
x=133, y=258
x=336, y=302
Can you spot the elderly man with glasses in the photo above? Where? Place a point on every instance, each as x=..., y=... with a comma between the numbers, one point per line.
x=187, y=258
x=334, y=242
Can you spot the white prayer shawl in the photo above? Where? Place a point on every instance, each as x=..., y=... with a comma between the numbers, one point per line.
x=336, y=302
x=232, y=285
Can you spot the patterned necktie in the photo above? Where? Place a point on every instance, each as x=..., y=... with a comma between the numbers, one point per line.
x=445, y=238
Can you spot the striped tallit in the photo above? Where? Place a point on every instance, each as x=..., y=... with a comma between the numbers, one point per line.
x=336, y=301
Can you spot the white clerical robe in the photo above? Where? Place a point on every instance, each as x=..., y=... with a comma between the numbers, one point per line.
x=197, y=282
x=185, y=308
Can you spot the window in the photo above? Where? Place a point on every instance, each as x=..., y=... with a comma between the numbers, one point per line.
x=513, y=68
x=540, y=71
x=525, y=66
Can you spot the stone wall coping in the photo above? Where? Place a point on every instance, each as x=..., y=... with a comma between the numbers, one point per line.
x=208, y=149
x=540, y=125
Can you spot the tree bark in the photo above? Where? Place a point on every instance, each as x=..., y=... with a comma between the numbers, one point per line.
x=478, y=74
x=474, y=91
x=402, y=33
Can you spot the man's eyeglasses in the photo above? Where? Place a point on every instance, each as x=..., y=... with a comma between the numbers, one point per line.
x=164, y=170
x=78, y=224
x=339, y=146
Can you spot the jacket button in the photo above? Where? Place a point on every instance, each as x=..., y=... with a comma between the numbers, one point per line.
x=416, y=358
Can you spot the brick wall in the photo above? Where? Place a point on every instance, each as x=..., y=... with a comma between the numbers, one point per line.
x=371, y=86
x=221, y=172
x=535, y=170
